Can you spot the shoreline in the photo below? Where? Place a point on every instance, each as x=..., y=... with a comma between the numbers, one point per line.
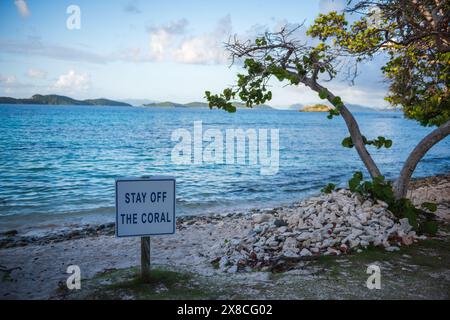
x=197, y=247
x=18, y=238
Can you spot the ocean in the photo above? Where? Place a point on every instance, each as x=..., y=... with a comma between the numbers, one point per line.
x=58, y=164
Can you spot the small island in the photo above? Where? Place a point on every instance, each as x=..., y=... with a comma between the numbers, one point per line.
x=316, y=108
x=53, y=99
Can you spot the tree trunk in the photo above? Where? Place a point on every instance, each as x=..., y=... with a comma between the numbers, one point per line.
x=357, y=140
x=354, y=131
x=401, y=184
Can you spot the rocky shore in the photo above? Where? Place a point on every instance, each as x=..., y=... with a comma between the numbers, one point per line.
x=336, y=224
x=330, y=224
x=337, y=216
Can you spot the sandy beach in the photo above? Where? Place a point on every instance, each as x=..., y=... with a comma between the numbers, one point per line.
x=35, y=267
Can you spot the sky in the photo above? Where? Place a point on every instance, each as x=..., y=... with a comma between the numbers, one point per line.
x=168, y=50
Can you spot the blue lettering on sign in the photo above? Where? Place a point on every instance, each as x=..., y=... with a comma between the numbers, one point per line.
x=139, y=197
x=129, y=218
x=151, y=217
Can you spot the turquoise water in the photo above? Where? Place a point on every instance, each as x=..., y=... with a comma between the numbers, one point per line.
x=58, y=163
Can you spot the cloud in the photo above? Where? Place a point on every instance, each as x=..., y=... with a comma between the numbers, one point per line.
x=134, y=54
x=170, y=43
x=7, y=80
x=258, y=30
x=72, y=82
x=372, y=96
x=174, y=27
x=163, y=38
x=326, y=6
x=132, y=7
x=36, y=73
x=206, y=48
x=167, y=42
x=10, y=84
x=38, y=48
x=22, y=7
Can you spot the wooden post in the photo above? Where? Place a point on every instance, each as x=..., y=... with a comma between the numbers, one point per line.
x=145, y=259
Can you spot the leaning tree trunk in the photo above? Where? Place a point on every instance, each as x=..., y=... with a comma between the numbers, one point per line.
x=354, y=131
x=358, y=141
x=401, y=184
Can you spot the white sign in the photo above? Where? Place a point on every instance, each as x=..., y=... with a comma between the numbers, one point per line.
x=145, y=206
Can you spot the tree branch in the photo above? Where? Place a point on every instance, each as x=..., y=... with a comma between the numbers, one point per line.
x=401, y=184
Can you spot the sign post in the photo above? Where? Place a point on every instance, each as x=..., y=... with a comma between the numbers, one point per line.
x=145, y=259
x=145, y=207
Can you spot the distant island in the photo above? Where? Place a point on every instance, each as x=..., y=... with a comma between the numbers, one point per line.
x=170, y=104
x=316, y=108
x=53, y=99
x=325, y=108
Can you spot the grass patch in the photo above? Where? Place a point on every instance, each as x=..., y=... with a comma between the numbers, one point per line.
x=127, y=284
x=158, y=277
x=372, y=253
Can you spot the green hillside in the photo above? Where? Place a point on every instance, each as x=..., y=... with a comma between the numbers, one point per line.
x=53, y=99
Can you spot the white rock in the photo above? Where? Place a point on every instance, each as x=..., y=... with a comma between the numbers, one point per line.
x=304, y=236
x=364, y=243
x=328, y=243
x=290, y=244
x=377, y=210
x=263, y=217
x=282, y=229
x=367, y=204
x=273, y=244
x=329, y=226
x=233, y=269
x=293, y=219
x=305, y=253
x=404, y=225
x=334, y=251
x=307, y=243
x=354, y=243
x=315, y=250
x=290, y=254
x=382, y=203
x=223, y=262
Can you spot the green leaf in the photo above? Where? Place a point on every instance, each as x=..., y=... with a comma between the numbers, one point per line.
x=230, y=108
x=430, y=206
x=260, y=42
x=388, y=143
x=354, y=182
x=323, y=94
x=412, y=217
x=348, y=143
x=337, y=102
x=328, y=188
x=227, y=93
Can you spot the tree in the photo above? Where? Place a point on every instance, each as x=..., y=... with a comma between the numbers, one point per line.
x=414, y=35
